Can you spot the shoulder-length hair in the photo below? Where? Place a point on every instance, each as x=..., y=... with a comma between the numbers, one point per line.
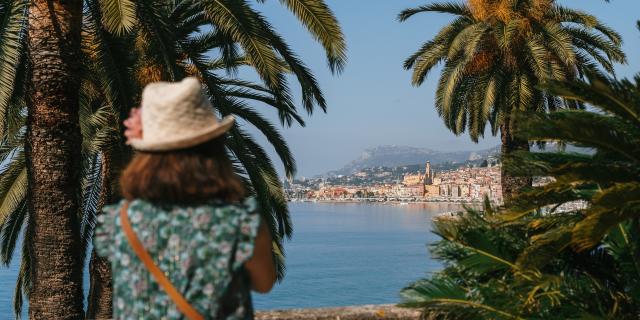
x=194, y=175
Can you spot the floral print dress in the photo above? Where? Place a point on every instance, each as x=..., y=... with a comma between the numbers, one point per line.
x=201, y=249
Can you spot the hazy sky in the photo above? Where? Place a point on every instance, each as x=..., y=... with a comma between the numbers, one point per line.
x=372, y=102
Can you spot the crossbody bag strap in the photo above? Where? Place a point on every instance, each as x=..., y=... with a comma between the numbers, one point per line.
x=183, y=305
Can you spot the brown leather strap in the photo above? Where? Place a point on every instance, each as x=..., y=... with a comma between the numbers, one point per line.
x=183, y=305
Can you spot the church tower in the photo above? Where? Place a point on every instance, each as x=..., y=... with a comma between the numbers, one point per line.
x=428, y=174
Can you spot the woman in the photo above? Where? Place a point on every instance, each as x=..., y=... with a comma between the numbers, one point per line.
x=184, y=242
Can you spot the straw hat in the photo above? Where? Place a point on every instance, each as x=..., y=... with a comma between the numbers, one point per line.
x=176, y=116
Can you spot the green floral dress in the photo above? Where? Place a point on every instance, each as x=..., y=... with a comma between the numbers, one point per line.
x=201, y=249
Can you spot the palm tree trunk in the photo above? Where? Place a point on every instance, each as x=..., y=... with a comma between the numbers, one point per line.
x=511, y=184
x=100, y=305
x=100, y=300
x=53, y=159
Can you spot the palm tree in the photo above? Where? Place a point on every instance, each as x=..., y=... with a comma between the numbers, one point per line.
x=568, y=248
x=496, y=52
x=127, y=44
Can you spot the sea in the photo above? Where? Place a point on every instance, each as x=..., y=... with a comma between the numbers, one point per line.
x=341, y=254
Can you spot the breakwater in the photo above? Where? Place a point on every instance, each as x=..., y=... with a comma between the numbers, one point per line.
x=364, y=312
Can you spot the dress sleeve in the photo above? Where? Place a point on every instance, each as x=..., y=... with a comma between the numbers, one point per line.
x=247, y=230
x=103, y=236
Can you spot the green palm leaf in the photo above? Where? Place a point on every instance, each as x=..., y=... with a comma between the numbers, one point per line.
x=13, y=187
x=444, y=7
x=617, y=98
x=610, y=207
x=586, y=128
x=23, y=282
x=444, y=298
x=10, y=231
x=12, y=35
x=118, y=16
x=158, y=32
x=320, y=21
x=238, y=20
x=271, y=133
x=111, y=61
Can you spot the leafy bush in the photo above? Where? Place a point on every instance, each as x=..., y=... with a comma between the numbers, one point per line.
x=531, y=260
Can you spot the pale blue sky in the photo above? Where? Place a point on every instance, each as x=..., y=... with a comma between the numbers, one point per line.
x=372, y=102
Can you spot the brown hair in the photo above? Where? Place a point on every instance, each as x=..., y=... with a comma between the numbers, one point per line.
x=194, y=175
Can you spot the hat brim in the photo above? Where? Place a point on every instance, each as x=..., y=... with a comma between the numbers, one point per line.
x=192, y=140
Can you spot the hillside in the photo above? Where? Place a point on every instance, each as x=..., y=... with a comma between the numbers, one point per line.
x=396, y=156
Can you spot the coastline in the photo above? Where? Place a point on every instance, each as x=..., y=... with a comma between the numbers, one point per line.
x=363, y=312
x=392, y=201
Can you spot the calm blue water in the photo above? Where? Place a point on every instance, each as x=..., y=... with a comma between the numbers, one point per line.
x=347, y=254
x=341, y=254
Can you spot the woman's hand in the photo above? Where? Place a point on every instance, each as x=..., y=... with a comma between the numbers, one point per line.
x=133, y=125
x=261, y=267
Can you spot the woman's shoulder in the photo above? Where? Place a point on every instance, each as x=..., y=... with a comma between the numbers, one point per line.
x=248, y=205
x=241, y=214
x=105, y=229
x=248, y=210
x=109, y=212
x=141, y=207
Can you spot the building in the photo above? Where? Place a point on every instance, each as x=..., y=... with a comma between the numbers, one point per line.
x=413, y=179
x=361, y=174
x=416, y=190
x=463, y=184
x=431, y=191
x=471, y=184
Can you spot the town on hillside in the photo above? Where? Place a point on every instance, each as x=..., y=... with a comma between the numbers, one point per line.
x=404, y=184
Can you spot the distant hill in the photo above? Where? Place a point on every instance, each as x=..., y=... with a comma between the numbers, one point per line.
x=395, y=156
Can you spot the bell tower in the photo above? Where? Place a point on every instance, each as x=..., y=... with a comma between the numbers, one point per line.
x=428, y=174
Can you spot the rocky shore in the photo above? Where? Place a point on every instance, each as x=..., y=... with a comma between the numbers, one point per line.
x=364, y=312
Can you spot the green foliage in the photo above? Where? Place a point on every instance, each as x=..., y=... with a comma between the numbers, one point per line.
x=319, y=20
x=600, y=283
x=576, y=262
x=609, y=178
x=127, y=44
x=13, y=18
x=120, y=15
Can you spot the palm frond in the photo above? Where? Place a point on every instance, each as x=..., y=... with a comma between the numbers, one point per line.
x=92, y=190
x=118, y=16
x=588, y=20
x=113, y=64
x=323, y=25
x=158, y=32
x=621, y=99
x=238, y=20
x=13, y=187
x=311, y=92
x=10, y=232
x=271, y=133
x=440, y=297
x=559, y=41
x=12, y=35
x=586, y=128
x=23, y=282
x=443, y=7
x=610, y=207
x=545, y=246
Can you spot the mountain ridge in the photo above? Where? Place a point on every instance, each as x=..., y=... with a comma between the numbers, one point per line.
x=399, y=155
